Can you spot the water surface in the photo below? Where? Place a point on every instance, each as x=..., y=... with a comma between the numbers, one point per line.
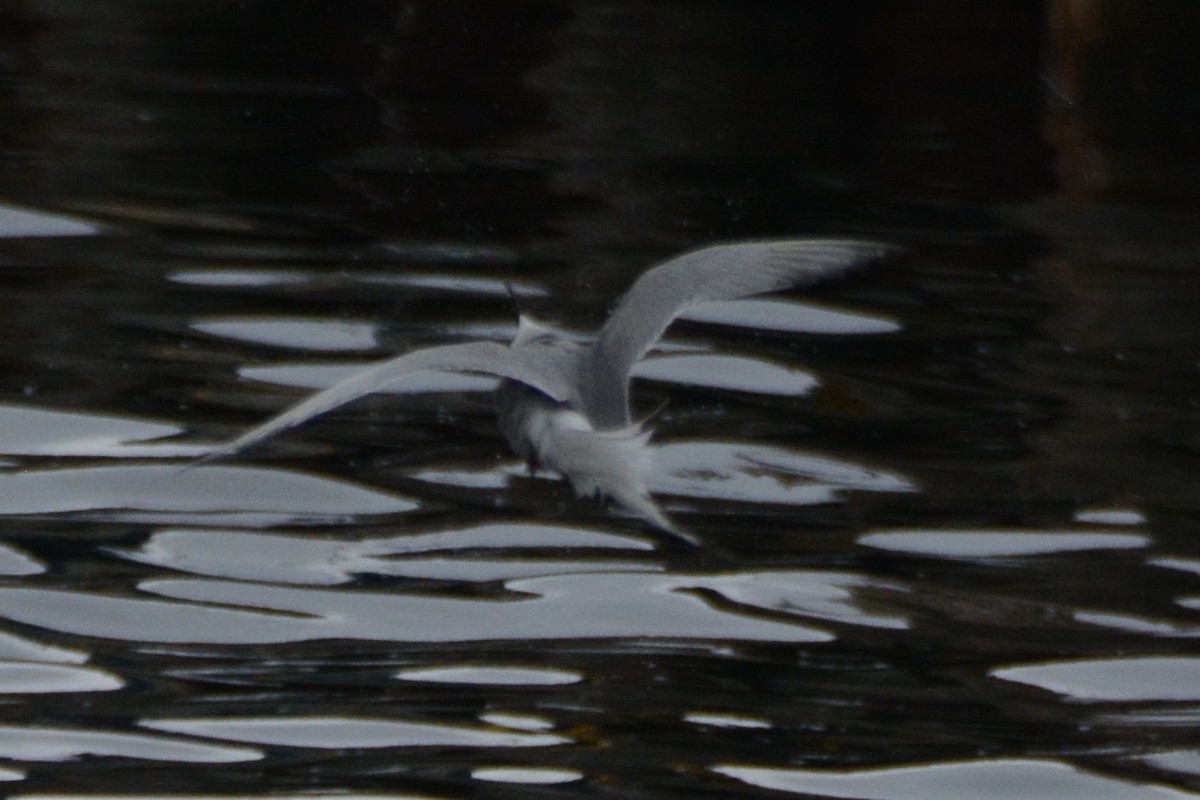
x=945, y=509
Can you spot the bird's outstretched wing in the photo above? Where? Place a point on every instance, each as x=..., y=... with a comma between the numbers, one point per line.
x=539, y=367
x=720, y=272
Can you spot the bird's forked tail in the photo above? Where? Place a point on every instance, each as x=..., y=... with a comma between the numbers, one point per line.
x=614, y=464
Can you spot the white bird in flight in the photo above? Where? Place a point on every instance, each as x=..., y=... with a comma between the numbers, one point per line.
x=564, y=405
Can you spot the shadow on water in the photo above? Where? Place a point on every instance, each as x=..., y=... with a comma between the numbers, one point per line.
x=945, y=508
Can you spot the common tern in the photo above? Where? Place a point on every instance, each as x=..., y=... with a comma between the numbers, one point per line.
x=564, y=405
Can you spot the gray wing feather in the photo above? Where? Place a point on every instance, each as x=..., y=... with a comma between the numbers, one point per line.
x=543, y=371
x=720, y=272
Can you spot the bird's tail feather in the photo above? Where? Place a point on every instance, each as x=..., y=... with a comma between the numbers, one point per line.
x=611, y=463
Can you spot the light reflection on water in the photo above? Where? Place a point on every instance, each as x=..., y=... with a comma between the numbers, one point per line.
x=337, y=733
x=29, y=430
x=428, y=556
x=216, y=494
x=15, y=562
x=17, y=223
x=37, y=743
x=999, y=544
x=535, y=775
x=1144, y=679
x=991, y=779
x=287, y=558
x=459, y=554
x=589, y=605
x=320, y=335
x=20, y=677
x=504, y=676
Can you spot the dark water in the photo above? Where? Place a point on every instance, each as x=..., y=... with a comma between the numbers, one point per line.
x=946, y=508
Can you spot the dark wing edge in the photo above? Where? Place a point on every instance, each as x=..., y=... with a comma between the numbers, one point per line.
x=720, y=272
x=490, y=358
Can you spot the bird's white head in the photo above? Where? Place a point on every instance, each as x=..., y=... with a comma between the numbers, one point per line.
x=530, y=331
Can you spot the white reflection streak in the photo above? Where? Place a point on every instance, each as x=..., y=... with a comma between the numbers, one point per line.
x=986, y=779
x=336, y=732
x=490, y=675
x=755, y=473
x=293, y=333
x=17, y=648
x=28, y=430
x=36, y=743
x=528, y=775
x=302, y=558
x=971, y=543
x=1153, y=678
x=221, y=491
x=16, y=222
x=31, y=677
x=18, y=562
x=600, y=605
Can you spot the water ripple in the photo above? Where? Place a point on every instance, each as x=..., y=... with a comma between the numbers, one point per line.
x=338, y=732
x=298, y=333
x=526, y=775
x=18, y=223
x=490, y=676
x=1150, y=678
x=38, y=743
x=452, y=554
x=583, y=606
x=27, y=430
x=17, y=677
x=967, y=544
x=247, y=495
x=986, y=779
x=18, y=562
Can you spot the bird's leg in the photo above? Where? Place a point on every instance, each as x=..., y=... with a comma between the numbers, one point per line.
x=531, y=463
